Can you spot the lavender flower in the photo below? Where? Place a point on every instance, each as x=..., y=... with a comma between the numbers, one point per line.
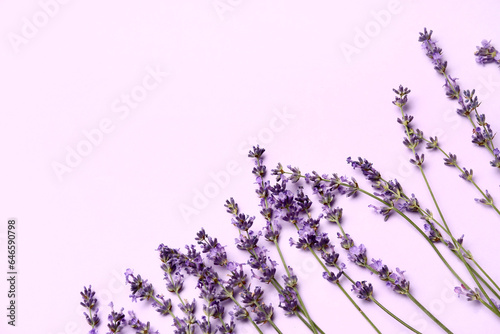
x=346, y=242
x=466, y=174
x=395, y=280
x=450, y=160
x=252, y=298
x=116, y=320
x=433, y=234
x=469, y=103
x=90, y=303
x=288, y=301
x=486, y=201
x=432, y=51
x=242, y=222
x=452, y=89
x=264, y=313
x=366, y=167
x=363, y=290
x=469, y=294
x=486, y=53
x=401, y=100
x=357, y=254
x=496, y=160
x=265, y=267
x=418, y=161
x=228, y=327
x=384, y=210
x=432, y=144
x=139, y=326
x=140, y=288
x=398, y=282
x=333, y=278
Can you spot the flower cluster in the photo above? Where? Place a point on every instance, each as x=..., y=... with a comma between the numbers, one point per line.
x=90, y=303
x=486, y=53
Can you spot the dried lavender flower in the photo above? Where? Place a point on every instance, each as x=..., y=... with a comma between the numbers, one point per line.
x=90, y=303
x=116, y=320
x=486, y=53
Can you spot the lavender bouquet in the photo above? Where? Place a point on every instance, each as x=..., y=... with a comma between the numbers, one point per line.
x=304, y=206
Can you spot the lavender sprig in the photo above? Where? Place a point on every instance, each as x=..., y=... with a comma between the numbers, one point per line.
x=482, y=132
x=90, y=303
x=486, y=53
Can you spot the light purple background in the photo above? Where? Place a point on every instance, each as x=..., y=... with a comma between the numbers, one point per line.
x=272, y=73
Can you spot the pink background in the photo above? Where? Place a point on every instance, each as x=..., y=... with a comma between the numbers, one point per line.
x=309, y=81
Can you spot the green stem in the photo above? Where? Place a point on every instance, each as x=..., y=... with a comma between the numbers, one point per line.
x=393, y=316
x=429, y=314
x=434, y=199
x=175, y=318
x=488, y=277
x=358, y=308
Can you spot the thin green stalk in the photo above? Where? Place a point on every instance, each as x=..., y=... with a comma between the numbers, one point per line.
x=358, y=308
x=305, y=322
x=394, y=316
x=175, y=318
x=487, y=276
x=434, y=199
x=429, y=314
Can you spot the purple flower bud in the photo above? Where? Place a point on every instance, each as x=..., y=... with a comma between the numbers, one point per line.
x=486, y=53
x=363, y=290
x=467, y=293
